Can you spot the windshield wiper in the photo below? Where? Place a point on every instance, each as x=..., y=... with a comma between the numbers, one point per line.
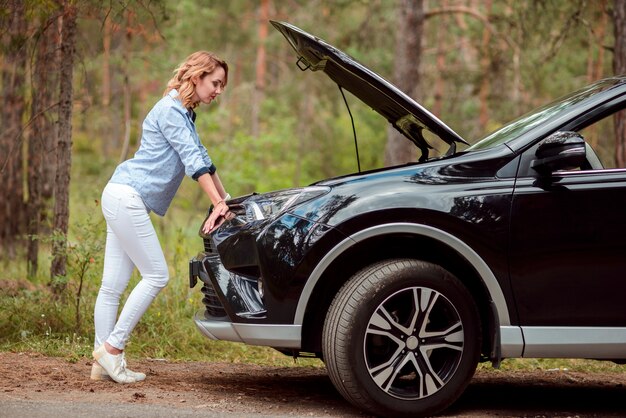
x=451, y=150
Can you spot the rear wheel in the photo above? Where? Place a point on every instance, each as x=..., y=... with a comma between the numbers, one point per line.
x=402, y=338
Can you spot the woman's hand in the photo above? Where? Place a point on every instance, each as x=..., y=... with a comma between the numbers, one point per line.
x=216, y=218
x=212, y=186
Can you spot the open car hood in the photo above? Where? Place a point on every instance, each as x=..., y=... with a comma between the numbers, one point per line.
x=404, y=113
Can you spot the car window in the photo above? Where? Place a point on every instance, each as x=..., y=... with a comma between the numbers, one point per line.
x=538, y=116
x=601, y=137
x=597, y=127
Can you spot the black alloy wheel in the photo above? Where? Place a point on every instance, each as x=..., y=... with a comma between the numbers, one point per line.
x=402, y=338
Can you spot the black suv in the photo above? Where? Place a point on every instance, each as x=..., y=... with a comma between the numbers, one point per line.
x=402, y=279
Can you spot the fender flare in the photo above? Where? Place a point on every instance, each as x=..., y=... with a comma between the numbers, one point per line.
x=495, y=292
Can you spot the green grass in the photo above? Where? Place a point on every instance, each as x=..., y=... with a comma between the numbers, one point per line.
x=31, y=319
x=549, y=364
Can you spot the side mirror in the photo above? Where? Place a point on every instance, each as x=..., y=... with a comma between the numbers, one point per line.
x=560, y=151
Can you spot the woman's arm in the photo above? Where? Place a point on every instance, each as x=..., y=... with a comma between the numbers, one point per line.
x=218, y=185
x=212, y=186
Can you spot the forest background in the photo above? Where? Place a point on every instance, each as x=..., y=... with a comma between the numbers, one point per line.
x=79, y=76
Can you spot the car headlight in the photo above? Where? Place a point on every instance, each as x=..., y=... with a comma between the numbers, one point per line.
x=257, y=207
x=270, y=205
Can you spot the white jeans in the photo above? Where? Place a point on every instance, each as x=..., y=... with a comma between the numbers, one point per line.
x=131, y=241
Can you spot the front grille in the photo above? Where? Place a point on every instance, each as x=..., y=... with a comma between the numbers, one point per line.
x=214, y=308
x=208, y=245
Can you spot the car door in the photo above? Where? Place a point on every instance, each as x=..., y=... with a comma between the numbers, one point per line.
x=568, y=238
x=568, y=249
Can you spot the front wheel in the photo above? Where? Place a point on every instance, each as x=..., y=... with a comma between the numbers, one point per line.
x=402, y=338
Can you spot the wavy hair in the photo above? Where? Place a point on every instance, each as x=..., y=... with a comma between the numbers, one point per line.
x=198, y=64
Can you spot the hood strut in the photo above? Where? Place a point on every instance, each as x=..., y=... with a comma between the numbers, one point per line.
x=356, y=144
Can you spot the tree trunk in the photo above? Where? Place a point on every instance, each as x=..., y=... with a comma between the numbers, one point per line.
x=64, y=148
x=42, y=128
x=261, y=66
x=466, y=49
x=409, y=29
x=13, y=91
x=485, y=63
x=596, y=43
x=106, y=83
x=619, y=67
x=440, y=63
x=127, y=115
x=600, y=39
x=50, y=130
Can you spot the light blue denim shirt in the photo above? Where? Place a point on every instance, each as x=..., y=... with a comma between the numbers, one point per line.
x=170, y=149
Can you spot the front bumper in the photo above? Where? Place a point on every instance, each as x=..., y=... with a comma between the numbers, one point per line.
x=277, y=336
x=228, y=295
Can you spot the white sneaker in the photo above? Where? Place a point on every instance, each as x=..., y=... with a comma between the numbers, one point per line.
x=98, y=373
x=114, y=365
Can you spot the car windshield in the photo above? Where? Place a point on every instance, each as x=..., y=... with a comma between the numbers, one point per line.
x=538, y=116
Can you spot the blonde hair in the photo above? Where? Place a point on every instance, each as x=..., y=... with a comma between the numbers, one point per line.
x=198, y=64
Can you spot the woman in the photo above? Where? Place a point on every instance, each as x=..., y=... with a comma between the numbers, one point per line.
x=170, y=149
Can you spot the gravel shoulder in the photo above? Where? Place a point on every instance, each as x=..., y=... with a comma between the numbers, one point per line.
x=34, y=385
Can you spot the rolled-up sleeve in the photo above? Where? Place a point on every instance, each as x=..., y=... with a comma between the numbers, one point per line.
x=192, y=153
x=211, y=169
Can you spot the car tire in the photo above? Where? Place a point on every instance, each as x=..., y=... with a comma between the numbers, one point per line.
x=387, y=357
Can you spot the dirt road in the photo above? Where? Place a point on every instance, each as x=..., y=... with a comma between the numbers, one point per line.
x=33, y=385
